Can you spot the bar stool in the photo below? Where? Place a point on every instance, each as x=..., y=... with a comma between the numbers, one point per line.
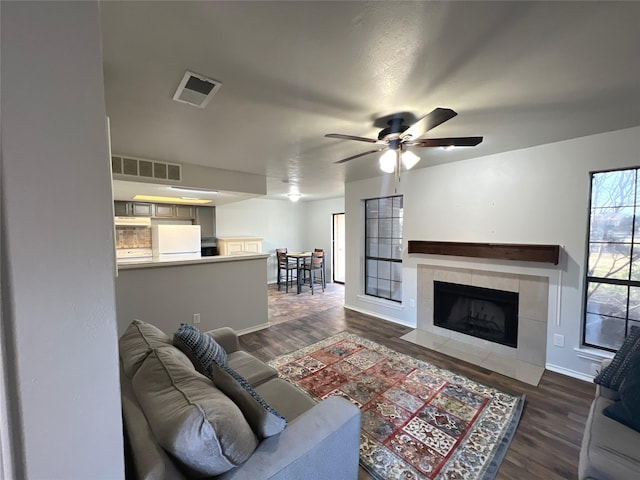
x=287, y=268
x=324, y=268
x=314, y=266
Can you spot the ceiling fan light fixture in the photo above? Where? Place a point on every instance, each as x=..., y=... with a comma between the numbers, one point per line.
x=388, y=161
x=409, y=159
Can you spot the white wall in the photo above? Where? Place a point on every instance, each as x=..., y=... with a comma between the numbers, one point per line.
x=281, y=223
x=534, y=195
x=58, y=300
x=318, y=227
x=355, y=193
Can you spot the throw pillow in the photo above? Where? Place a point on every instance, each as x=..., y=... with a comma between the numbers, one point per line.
x=190, y=418
x=136, y=342
x=203, y=350
x=627, y=409
x=264, y=420
x=613, y=375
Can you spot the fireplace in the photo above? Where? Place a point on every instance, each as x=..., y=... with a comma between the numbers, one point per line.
x=481, y=312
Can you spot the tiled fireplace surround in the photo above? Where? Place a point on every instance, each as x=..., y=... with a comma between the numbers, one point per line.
x=526, y=362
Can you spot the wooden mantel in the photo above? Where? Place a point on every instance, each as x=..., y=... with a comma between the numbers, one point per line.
x=501, y=251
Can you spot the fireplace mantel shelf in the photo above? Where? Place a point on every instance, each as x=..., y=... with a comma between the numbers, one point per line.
x=500, y=251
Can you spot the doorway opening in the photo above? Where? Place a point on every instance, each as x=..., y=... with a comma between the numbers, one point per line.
x=338, y=244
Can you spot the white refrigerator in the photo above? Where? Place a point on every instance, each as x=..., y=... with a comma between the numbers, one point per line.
x=175, y=241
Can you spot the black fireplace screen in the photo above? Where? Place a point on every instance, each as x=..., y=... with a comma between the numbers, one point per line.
x=481, y=312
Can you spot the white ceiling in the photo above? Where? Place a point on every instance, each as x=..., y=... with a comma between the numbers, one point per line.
x=518, y=73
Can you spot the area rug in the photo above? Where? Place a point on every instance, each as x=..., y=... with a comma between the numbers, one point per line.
x=418, y=421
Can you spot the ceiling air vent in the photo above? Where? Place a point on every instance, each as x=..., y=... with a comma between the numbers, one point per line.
x=196, y=90
x=137, y=167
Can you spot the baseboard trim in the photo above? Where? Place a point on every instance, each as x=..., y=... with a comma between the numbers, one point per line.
x=377, y=315
x=569, y=373
x=255, y=328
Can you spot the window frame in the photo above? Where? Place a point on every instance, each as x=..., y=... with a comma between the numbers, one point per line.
x=393, y=280
x=634, y=242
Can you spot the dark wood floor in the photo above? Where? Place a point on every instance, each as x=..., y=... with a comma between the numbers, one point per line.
x=547, y=442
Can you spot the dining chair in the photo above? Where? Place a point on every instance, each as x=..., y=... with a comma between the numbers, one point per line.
x=286, y=268
x=324, y=267
x=313, y=267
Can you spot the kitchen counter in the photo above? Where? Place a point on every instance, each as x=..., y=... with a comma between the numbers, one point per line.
x=129, y=264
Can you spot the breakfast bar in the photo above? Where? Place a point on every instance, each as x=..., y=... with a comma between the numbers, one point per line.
x=226, y=290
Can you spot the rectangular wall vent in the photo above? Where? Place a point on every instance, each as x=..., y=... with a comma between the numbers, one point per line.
x=196, y=90
x=136, y=167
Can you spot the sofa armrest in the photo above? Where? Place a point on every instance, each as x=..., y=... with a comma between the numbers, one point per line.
x=226, y=337
x=321, y=443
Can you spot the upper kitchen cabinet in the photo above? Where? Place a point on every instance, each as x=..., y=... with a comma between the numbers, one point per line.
x=182, y=212
x=142, y=209
x=122, y=209
x=185, y=211
x=155, y=210
x=206, y=218
x=129, y=209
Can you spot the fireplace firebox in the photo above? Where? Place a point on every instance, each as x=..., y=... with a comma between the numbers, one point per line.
x=481, y=312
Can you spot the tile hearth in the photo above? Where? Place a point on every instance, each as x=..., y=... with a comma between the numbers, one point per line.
x=508, y=366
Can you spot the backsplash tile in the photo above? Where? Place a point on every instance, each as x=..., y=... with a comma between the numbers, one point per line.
x=132, y=237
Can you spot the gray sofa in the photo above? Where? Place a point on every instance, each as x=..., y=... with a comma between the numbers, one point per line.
x=320, y=441
x=610, y=450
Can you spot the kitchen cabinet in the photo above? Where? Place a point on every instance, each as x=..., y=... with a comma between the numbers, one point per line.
x=236, y=245
x=141, y=209
x=132, y=209
x=122, y=209
x=155, y=210
x=163, y=210
x=206, y=218
x=184, y=211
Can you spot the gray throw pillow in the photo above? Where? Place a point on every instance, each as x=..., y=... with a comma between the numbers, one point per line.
x=262, y=418
x=613, y=375
x=203, y=350
x=627, y=409
x=190, y=418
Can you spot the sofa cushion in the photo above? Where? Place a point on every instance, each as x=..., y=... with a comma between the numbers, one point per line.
x=146, y=458
x=189, y=417
x=201, y=348
x=627, y=409
x=264, y=420
x=136, y=342
x=252, y=370
x=288, y=400
x=609, y=449
x=613, y=375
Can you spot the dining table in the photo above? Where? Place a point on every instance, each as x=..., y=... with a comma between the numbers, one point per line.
x=299, y=257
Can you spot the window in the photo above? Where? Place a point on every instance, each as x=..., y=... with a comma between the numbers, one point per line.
x=612, y=298
x=383, y=247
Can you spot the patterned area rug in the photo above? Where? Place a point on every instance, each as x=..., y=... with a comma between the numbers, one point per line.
x=418, y=421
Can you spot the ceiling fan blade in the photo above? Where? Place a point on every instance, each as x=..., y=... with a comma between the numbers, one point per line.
x=351, y=137
x=426, y=123
x=359, y=155
x=446, y=142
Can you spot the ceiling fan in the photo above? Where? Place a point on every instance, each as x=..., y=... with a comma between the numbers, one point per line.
x=396, y=137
